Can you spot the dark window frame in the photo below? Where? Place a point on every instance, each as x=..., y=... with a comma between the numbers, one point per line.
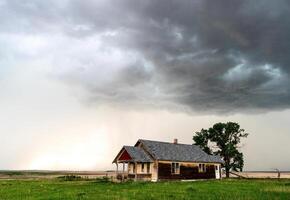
x=148, y=168
x=201, y=168
x=142, y=167
x=175, y=168
x=134, y=167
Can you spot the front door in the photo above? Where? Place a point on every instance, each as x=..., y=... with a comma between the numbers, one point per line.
x=217, y=172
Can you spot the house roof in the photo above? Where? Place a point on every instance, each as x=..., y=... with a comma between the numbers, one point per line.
x=177, y=152
x=136, y=153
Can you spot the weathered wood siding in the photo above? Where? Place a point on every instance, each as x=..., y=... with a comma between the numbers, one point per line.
x=139, y=168
x=144, y=177
x=154, y=171
x=187, y=171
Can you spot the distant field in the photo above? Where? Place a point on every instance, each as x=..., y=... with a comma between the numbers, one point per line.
x=41, y=174
x=46, y=174
x=93, y=189
x=264, y=174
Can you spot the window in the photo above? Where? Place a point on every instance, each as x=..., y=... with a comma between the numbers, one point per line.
x=148, y=168
x=175, y=168
x=201, y=168
x=142, y=167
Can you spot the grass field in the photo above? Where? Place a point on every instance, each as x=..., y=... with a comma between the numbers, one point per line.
x=225, y=189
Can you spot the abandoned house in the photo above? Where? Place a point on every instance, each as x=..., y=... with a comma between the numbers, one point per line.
x=153, y=161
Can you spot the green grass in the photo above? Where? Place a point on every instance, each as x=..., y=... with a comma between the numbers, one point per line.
x=225, y=189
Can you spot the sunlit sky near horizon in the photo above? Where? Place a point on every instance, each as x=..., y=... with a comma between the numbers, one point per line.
x=80, y=79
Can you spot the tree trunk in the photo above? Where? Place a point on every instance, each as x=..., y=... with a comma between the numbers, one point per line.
x=227, y=166
x=227, y=173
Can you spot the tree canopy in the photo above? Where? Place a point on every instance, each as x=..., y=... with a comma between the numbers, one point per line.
x=223, y=139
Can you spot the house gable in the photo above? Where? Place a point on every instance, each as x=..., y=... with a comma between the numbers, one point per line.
x=125, y=156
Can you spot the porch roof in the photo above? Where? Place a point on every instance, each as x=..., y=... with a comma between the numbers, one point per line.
x=136, y=153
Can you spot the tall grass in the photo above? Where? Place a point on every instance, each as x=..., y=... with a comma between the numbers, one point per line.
x=104, y=189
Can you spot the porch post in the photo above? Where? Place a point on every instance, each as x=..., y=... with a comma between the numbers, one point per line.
x=116, y=169
x=123, y=171
x=135, y=171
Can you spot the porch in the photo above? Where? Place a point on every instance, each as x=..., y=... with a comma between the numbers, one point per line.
x=133, y=170
x=133, y=163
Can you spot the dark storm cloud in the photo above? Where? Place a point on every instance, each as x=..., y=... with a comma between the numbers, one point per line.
x=202, y=55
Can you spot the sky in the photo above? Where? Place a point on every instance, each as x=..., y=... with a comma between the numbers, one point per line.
x=81, y=78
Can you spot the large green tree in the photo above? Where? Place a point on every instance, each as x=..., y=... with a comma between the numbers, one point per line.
x=223, y=139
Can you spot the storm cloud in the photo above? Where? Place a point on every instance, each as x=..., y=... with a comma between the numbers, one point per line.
x=191, y=55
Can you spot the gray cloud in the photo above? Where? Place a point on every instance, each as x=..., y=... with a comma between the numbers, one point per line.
x=207, y=56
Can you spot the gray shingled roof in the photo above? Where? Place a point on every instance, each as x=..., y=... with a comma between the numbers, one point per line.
x=178, y=152
x=137, y=154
